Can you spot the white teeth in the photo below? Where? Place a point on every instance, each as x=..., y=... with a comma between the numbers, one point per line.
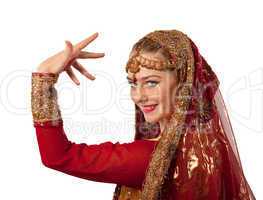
x=150, y=105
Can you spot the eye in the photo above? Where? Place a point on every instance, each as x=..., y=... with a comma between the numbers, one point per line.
x=152, y=83
x=132, y=84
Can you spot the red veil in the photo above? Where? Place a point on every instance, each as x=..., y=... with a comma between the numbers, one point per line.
x=205, y=163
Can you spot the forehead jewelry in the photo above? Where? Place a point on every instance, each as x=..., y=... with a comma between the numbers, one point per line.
x=166, y=42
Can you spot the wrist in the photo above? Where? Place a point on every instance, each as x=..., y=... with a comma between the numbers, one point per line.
x=44, y=74
x=41, y=69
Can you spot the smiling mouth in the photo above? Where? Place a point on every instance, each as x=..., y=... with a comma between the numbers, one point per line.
x=149, y=108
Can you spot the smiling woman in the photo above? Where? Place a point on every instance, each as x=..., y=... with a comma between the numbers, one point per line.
x=184, y=146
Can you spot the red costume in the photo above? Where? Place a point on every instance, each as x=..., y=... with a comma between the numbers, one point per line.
x=205, y=164
x=123, y=164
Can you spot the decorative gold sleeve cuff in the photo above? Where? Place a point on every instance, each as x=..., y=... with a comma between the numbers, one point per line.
x=44, y=105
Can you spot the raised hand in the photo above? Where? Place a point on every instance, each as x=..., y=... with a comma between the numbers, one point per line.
x=66, y=59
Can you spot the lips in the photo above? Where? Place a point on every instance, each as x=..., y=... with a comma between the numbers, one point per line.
x=148, y=108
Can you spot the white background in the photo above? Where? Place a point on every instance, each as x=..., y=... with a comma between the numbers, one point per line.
x=228, y=34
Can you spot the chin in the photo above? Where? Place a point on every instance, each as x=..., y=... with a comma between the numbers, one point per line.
x=152, y=119
x=157, y=117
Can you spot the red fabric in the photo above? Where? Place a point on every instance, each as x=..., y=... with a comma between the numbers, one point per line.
x=107, y=162
x=207, y=163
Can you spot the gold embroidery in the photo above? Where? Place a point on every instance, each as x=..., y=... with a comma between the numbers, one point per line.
x=44, y=104
x=201, y=154
x=135, y=62
x=129, y=193
x=176, y=172
x=175, y=42
x=156, y=138
x=192, y=162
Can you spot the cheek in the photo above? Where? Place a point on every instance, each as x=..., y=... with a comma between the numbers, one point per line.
x=167, y=100
x=154, y=93
x=133, y=95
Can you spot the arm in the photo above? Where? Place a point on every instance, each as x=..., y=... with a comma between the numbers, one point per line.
x=123, y=164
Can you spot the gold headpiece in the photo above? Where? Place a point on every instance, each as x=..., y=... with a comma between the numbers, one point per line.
x=175, y=42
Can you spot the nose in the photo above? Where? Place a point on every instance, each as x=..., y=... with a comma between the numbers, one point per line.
x=140, y=95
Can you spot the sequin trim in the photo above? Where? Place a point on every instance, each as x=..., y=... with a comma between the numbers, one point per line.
x=44, y=104
x=129, y=193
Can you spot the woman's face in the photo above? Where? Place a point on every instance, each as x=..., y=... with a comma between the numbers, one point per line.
x=153, y=91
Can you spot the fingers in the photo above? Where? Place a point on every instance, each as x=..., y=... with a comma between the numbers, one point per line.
x=72, y=75
x=82, y=70
x=85, y=42
x=84, y=54
x=67, y=52
x=69, y=46
x=75, y=51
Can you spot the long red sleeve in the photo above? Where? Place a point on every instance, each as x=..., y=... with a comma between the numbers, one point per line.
x=123, y=164
x=108, y=162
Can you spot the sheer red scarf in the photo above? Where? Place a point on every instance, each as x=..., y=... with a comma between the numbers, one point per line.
x=206, y=163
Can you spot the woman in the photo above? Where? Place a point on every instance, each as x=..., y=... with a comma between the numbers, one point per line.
x=184, y=147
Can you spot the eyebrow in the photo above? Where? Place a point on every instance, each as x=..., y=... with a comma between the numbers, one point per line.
x=143, y=78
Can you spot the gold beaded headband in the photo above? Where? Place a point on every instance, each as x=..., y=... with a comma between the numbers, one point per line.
x=138, y=60
x=173, y=41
